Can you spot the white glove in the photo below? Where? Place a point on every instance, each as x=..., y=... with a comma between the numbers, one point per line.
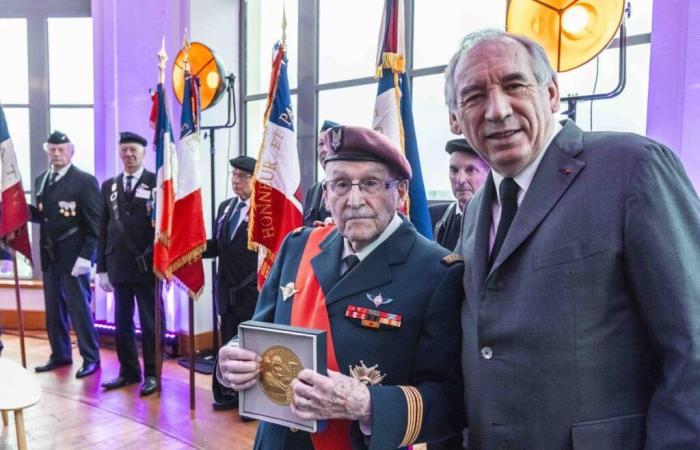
x=104, y=282
x=81, y=267
x=5, y=266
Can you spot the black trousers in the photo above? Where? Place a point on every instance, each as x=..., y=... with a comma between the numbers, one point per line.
x=234, y=315
x=68, y=296
x=125, y=336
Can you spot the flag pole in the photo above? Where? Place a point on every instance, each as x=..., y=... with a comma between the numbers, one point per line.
x=192, y=351
x=19, y=311
x=162, y=58
x=190, y=302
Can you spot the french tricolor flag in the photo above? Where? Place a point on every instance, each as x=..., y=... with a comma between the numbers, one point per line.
x=275, y=208
x=14, y=213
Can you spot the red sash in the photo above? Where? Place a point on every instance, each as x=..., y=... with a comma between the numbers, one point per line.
x=309, y=310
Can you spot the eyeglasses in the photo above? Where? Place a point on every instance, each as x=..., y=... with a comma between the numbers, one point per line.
x=369, y=186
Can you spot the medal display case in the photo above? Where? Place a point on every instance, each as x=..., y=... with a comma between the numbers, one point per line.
x=285, y=350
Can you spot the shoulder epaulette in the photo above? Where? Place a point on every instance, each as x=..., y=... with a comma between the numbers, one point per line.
x=452, y=259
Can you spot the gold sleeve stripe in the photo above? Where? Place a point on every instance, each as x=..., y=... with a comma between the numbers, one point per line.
x=414, y=420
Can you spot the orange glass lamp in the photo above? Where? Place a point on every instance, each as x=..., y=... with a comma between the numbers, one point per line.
x=572, y=32
x=205, y=65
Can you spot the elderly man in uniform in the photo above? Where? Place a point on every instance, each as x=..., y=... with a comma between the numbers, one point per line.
x=68, y=209
x=236, y=277
x=581, y=321
x=314, y=207
x=386, y=297
x=125, y=262
x=467, y=174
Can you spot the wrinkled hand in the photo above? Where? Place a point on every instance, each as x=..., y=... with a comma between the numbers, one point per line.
x=337, y=396
x=239, y=367
x=326, y=222
x=81, y=267
x=104, y=282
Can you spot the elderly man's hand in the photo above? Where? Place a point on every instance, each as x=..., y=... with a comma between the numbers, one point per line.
x=239, y=367
x=337, y=396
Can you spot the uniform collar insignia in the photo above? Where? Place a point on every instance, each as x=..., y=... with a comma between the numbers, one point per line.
x=288, y=291
x=378, y=300
x=367, y=375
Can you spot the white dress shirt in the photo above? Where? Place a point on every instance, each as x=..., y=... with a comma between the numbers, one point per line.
x=523, y=180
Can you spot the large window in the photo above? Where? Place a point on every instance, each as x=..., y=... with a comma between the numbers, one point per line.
x=336, y=57
x=46, y=83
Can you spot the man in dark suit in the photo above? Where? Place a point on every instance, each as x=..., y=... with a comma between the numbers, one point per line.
x=467, y=174
x=68, y=210
x=314, y=207
x=236, y=277
x=388, y=300
x=125, y=262
x=581, y=325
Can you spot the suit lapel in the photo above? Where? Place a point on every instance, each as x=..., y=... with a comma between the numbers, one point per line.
x=375, y=270
x=62, y=183
x=558, y=169
x=223, y=220
x=480, y=255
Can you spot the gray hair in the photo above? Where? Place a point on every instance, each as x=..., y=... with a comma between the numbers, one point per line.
x=544, y=74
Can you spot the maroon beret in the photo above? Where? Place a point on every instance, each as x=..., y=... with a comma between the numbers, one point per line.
x=346, y=143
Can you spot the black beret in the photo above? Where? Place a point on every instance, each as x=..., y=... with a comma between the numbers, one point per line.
x=327, y=124
x=459, y=145
x=58, y=138
x=127, y=137
x=245, y=163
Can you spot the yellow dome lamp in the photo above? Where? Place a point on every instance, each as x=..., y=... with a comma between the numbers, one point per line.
x=572, y=32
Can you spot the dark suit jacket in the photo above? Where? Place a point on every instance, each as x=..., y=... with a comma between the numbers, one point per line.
x=236, y=281
x=314, y=208
x=592, y=308
x=114, y=256
x=422, y=352
x=445, y=226
x=79, y=189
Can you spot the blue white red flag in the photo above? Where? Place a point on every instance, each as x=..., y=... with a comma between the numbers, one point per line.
x=189, y=236
x=393, y=113
x=14, y=213
x=275, y=207
x=166, y=176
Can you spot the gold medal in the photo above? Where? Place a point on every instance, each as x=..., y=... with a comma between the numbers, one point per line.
x=279, y=367
x=40, y=206
x=62, y=211
x=72, y=213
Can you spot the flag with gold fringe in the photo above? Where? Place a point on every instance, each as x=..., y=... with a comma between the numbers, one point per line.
x=275, y=207
x=189, y=236
x=14, y=213
x=393, y=113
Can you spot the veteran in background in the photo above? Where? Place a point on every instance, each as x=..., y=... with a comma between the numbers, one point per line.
x=68, y=211
x=125, y=262
x=467, y=174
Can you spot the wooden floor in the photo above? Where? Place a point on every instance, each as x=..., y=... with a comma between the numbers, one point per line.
x=78, y=414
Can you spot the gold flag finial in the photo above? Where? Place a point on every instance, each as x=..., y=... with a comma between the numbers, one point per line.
x=162, y=58
x=186, y=50
x=284, y=24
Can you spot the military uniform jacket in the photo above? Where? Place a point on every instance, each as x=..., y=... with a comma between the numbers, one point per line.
x=68, y=213
x=446, y=226
x=236, y=281
x=409, y=273
x=314, y=207
x=114, y=256
x=585, y=332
